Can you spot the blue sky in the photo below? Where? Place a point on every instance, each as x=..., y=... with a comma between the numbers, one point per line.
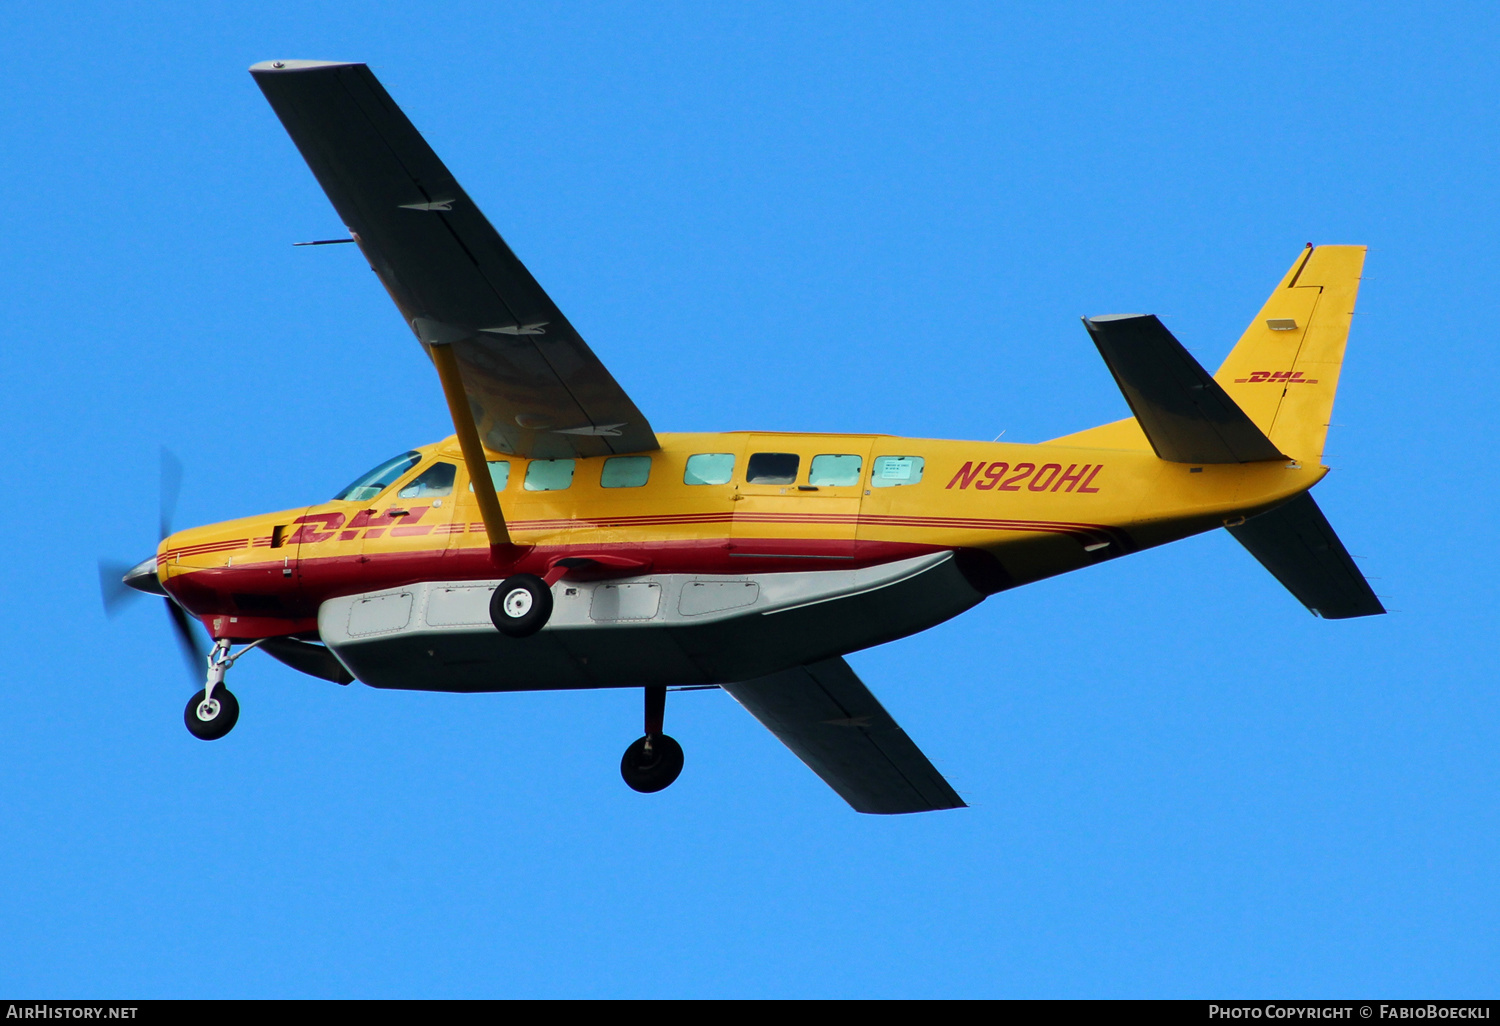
x=841, y=217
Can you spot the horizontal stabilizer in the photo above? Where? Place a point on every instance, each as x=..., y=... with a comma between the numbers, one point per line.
x=831, y=721
x=1186, y=416
x=1297, y=544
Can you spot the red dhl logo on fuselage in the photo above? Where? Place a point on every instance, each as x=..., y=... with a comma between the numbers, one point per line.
x=320, y=527
x=1280, y=377
x=1049, y=477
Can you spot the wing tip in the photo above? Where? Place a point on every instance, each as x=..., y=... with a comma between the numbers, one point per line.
x=275, y=67
x=1353, y=612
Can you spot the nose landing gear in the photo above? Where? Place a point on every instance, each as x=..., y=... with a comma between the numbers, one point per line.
x=209, y=716
x=213, y=712
x=651, y=763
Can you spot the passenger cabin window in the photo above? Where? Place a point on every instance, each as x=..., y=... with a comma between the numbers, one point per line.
x=890, y=471
x=371, y=484
x=834, y=471
x=625, y=472
x=433, y=483
x=549, y=475
x=773, y=468
x=499, y=475
x=708, y=468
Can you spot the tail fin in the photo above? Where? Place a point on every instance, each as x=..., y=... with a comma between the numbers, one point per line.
x=1285, y=369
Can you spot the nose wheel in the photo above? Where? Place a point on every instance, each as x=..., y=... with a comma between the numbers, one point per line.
x=651, y=763
x=209, y=718
x=213, y=712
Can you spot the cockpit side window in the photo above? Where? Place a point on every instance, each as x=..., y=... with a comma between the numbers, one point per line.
x=432, y=483
x=371, y=484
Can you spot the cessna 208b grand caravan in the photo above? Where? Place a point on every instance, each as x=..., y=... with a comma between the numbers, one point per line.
x=557, y=541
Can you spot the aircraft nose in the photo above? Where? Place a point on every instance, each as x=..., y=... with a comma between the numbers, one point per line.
x=142, y=577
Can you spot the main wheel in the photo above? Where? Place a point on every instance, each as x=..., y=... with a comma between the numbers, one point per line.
x=648, y=771
x=211, y=720
x=521, y=605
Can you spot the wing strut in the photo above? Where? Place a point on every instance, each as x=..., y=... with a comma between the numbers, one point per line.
x=468, y=441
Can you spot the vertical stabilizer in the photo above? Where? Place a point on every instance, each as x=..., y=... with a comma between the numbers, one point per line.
x=1284, y=371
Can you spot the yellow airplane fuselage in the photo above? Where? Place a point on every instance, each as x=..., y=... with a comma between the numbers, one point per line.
x=1019, y=512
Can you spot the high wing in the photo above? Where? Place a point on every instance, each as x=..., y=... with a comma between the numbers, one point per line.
x=533, y=386
x=831, y=721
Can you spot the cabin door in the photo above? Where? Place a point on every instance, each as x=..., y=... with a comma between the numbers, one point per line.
x=798, y=499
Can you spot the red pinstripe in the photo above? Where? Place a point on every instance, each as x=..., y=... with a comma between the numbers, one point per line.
x=1100, y=531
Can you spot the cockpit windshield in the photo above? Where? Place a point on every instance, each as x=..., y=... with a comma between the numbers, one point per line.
x=367, y=486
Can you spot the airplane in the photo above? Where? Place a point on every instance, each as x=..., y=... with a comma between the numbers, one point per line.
x=557, y=541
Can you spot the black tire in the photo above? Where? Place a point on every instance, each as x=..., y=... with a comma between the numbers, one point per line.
x=220, y=723
x=521, y=606
x=648, y=772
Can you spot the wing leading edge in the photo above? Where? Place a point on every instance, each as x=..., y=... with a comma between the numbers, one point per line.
x=830, y=720
x=533, y=385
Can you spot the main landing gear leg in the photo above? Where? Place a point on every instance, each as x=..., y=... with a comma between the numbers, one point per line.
x=653, y=762
x=213, y=712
